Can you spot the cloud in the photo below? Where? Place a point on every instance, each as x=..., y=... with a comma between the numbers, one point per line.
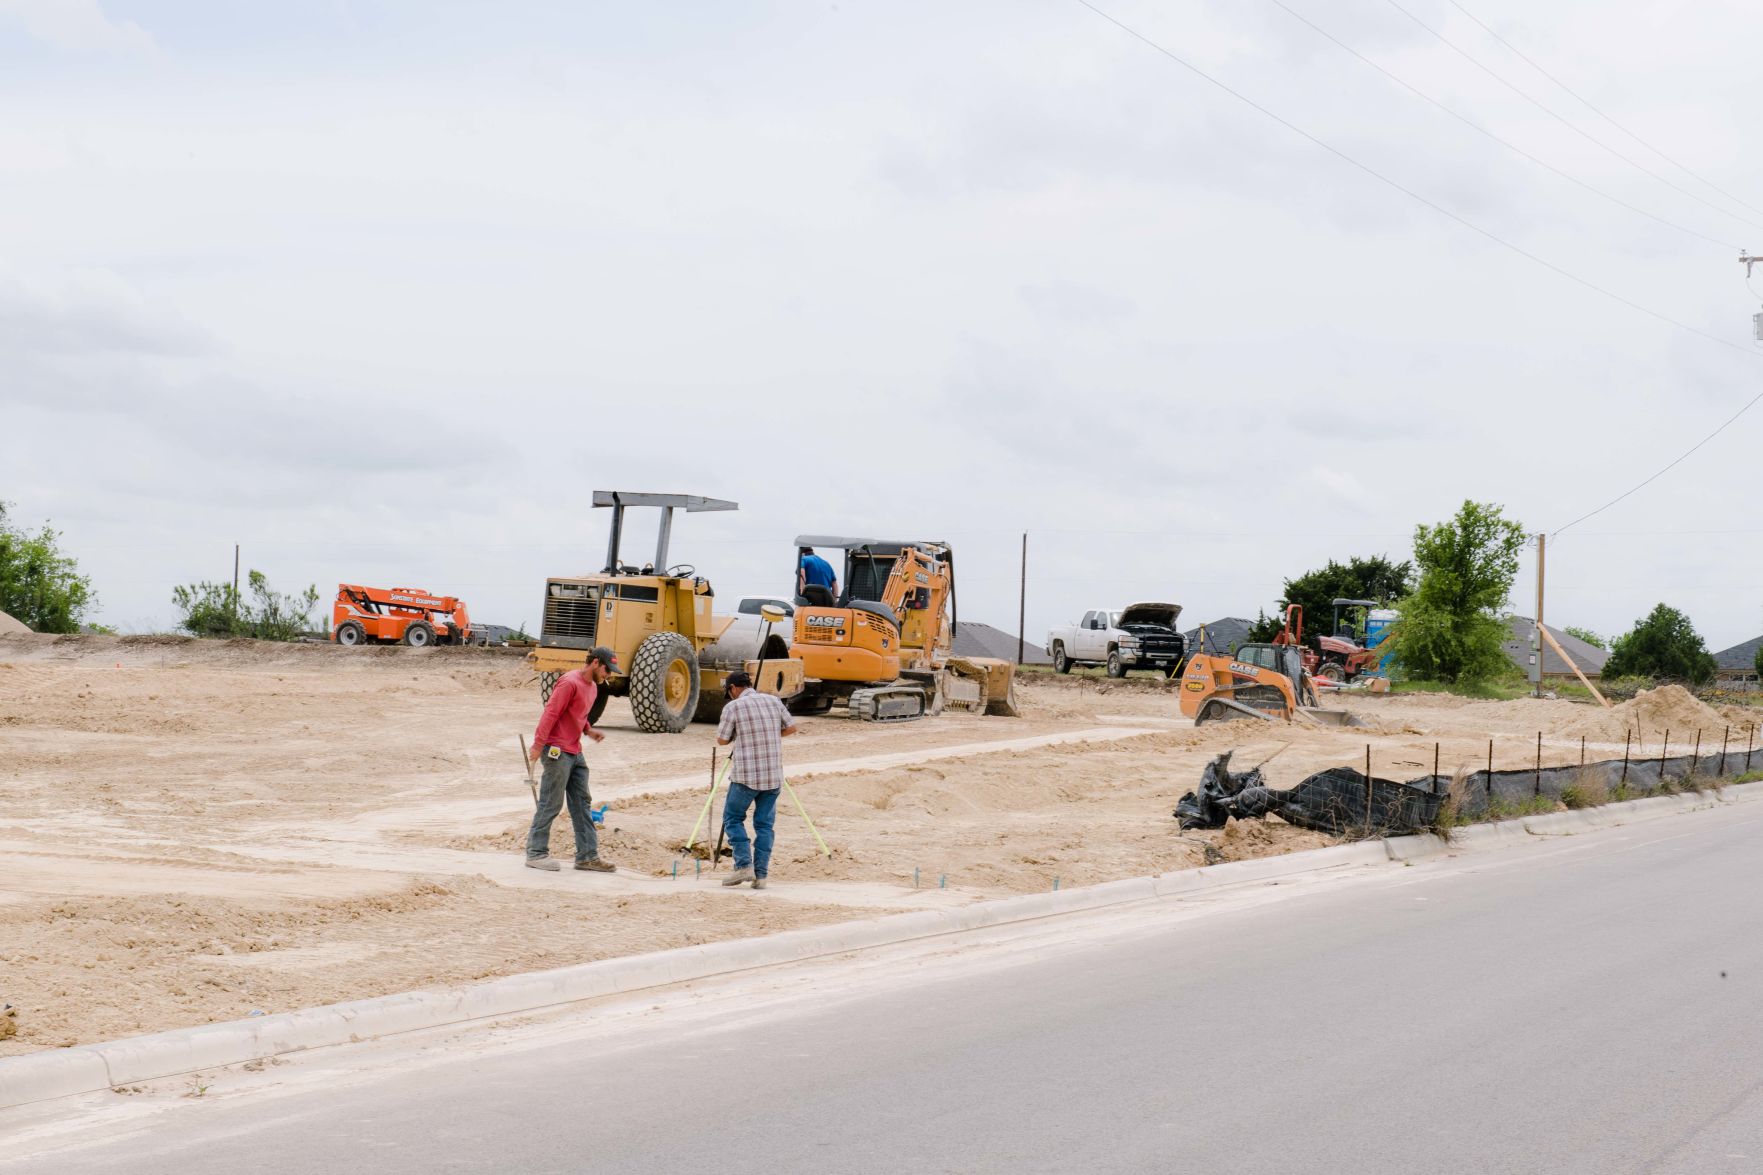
x=77, y=26
x=94, y=314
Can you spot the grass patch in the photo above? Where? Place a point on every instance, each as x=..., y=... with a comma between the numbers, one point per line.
x=1487, y=691
x=1587, y=791
x=1750, y=777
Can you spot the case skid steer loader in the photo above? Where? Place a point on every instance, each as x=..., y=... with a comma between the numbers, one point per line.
x=884, y=647
x=656, y=618
x=1258, y=681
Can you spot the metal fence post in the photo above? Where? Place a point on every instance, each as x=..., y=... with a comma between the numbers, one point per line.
x=1724, y=736
x=1367, y=789
x=1435, y=768
x=1664, y=747
x=1536, y=789
x=1696, y=755
x=1490, y=773
x=1627, y=738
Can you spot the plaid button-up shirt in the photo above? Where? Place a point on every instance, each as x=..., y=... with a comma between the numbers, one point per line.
x=756, y=722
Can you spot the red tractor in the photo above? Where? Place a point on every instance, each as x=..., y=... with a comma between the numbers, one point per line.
x=408, y=616
x=1343, y=656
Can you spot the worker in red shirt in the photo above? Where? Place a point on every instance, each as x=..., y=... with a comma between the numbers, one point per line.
x=558, y=743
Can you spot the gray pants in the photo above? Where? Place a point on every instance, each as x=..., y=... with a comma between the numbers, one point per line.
x=566, y=778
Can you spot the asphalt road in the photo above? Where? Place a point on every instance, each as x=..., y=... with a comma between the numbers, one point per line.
x=1589, y=1003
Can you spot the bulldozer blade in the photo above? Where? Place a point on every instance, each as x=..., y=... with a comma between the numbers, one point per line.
x=995, y=680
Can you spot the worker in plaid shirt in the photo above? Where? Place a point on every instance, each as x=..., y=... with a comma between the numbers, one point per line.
x=755, y=723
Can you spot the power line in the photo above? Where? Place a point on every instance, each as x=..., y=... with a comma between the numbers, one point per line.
x=1479, y=129
x=1414, y=195
x=1587, y=103
x=1466, y=223
x=1749, y=404
x=1575, y=128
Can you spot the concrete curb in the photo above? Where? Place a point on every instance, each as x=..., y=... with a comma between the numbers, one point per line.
x=91, y=1068
x=1613, y=815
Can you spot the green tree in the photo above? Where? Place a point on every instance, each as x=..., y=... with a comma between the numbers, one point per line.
x=215, y=609
x=1376, y=578
x=1662, y=645
x=1587, y=635
x=41, y=587
x=1451, y=628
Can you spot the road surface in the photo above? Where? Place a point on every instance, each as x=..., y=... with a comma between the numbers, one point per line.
x=1587, y=1003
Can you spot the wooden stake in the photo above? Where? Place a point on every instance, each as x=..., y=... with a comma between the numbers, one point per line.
x=1562, y=653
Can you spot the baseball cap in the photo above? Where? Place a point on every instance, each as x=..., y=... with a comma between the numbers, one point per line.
x=605, y=656
x=739, y=677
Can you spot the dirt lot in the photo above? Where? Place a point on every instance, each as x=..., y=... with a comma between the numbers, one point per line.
x=196, y=831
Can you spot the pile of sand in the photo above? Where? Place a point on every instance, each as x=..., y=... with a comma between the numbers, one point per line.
x=1651, y=713
x=10, y=627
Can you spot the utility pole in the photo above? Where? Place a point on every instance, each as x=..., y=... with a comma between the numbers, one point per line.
x=1022, y=602
x=1536, y=638
x=1748, y=259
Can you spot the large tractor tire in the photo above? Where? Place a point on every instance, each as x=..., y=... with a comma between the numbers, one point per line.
x=350, y=633
x=1061, y=663
x=547, y=683
x=664, y=683
x=420, y=635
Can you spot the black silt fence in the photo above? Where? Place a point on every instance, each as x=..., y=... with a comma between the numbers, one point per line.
x=1514, y=788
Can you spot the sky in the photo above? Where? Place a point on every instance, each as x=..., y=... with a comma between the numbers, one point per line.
x=381, y=291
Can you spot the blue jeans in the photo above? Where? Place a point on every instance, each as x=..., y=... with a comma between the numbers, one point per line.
x=566, y=777
x=734, y=822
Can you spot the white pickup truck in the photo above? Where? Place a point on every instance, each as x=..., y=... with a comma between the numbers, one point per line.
x=1140, y=636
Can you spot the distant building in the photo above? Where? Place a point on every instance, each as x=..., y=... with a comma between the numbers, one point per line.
x=1589, y=658
x=1739, y=663
x=1222, y=636
x=490, y=634
x=973, y=639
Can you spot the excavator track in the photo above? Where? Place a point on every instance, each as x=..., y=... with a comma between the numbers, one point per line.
x=888, y=703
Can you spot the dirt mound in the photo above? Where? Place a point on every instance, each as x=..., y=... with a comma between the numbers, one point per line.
x=1651, y=713
x=9, y=626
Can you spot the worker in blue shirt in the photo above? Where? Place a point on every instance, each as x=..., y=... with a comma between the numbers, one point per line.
x=813, y=571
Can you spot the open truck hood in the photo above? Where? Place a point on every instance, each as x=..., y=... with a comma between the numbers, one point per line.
x=1145, y=613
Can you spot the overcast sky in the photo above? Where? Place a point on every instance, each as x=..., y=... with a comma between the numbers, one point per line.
x=383, y=290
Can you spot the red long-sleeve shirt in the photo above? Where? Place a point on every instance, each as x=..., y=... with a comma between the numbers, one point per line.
x=565, y=719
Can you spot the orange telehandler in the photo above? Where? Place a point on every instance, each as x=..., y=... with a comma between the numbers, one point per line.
x=409, y=616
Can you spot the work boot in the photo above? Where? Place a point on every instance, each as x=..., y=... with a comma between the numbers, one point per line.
x=759, y=883
x=544, y=863
x=738, y=876
x=596, y=865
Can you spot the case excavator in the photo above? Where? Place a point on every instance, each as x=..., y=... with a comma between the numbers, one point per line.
x=883, y=648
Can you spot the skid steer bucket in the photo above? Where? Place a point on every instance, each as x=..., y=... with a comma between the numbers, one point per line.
x=1321, y=717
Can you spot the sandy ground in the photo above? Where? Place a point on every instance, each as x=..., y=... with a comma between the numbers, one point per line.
x=193, y=831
